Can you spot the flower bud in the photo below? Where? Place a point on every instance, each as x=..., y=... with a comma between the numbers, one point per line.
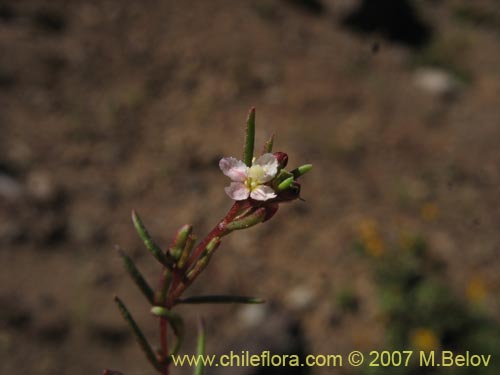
x=282, y=158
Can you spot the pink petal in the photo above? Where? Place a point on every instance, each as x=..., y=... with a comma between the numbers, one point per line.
x=233, y=168
x=262, y=193
x=269, y=163
x=237, y=191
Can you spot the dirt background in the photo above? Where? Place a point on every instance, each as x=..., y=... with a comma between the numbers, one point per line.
x=106, y=106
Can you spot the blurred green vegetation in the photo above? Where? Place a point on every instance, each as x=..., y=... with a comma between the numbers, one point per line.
x=421, y=311
x=477, y=16
x=447, y=53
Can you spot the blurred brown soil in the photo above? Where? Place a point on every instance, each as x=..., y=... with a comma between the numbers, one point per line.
x=114, y=105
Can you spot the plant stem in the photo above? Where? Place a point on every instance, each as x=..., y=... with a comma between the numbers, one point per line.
x=217, y=231
x=164, y=344
x=178, y=284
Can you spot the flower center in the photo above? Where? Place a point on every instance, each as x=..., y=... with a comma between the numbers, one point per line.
x=254, y=176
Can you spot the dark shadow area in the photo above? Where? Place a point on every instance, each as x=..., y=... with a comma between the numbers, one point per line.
x=310, y=6
x=49, y=20
x=7, y=13
x=398, y=21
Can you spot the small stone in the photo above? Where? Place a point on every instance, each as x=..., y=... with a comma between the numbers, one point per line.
x=300, y=298
x=253, y=315
x=41, y=186
x=437, y=82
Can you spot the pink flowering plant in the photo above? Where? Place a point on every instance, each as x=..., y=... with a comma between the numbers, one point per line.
x=258, y=186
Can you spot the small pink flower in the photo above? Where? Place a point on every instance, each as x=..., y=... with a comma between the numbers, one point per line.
x=249, y=181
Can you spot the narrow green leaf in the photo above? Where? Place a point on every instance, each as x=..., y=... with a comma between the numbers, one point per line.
x=302, y=170
x=249, y=138
x=212, y=245
x=204, y=258
x=148, y=241
x=141, y=339
x=186, y=251
x=248, y=221
x=221, y=299
x=244, y=213
x=268, y=146
x=200, y=347
x=175, y=322
x=136, y=276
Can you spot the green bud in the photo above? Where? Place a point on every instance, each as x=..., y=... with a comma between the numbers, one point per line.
x=302, y=170
x=285, y=184
x=180, y=241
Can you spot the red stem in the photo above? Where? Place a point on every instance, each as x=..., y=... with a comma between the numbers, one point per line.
x=217, y=231
x=176, y=288
x=164, y=344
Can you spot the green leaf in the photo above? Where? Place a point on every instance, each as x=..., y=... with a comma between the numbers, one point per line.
x=141, y=339
x=136, y=276
x=148, y=241
x=248, y=221
x=161, y=294
x=200, y=348
x=186, y=251
x=175, y=322
x=221, y=299
x=212, y=246
x=249, y=138
x=180, y=240
x=204, y=258
x=268, y=146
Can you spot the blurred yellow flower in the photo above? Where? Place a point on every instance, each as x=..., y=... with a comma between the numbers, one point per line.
x=476, y=290
x=424, y=339
x=429, y=211
x=371, y=238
